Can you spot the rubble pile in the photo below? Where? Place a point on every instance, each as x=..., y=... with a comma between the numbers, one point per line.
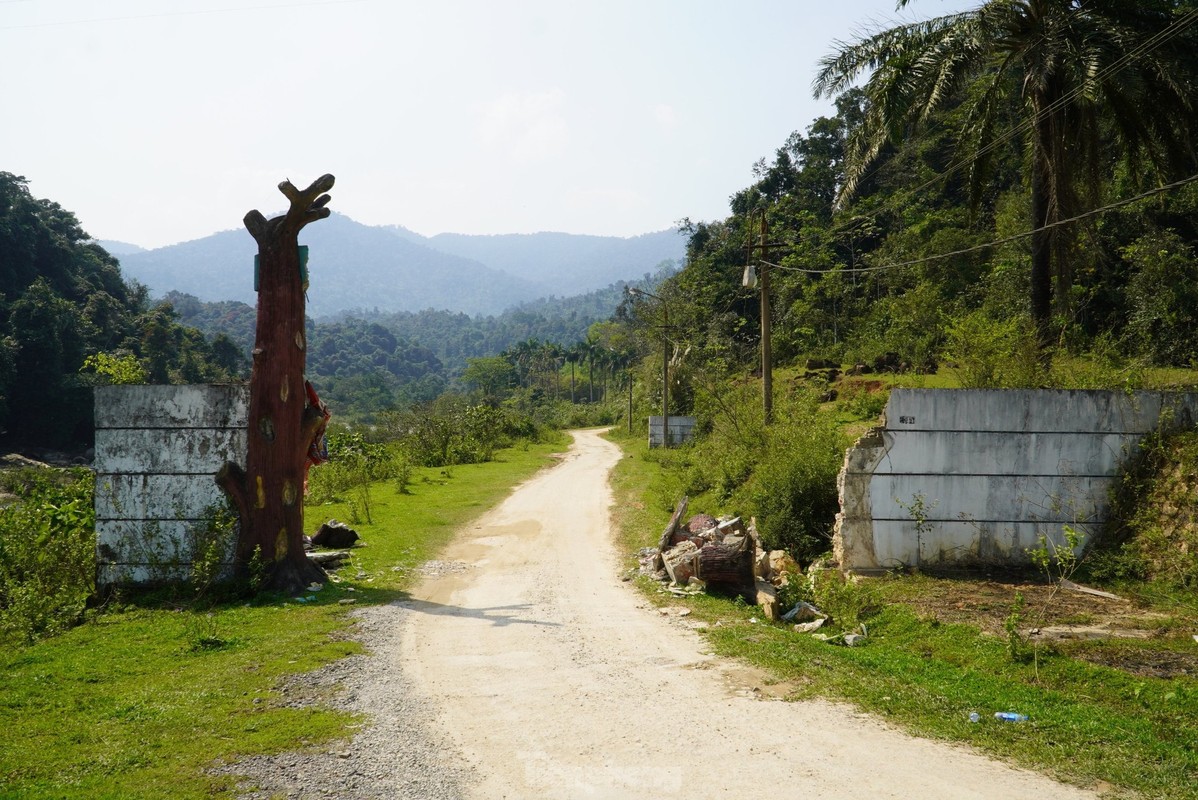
x=725, y=555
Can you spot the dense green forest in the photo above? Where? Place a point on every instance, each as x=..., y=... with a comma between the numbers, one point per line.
x=955, y=211
x=69, y=321
x=366, y=363
x=63, y=303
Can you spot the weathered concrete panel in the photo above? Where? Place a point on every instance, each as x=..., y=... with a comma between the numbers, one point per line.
x=951, y=543
x=990, y=453
x=165, y=450
x=994, y=471
x=157, y=451
x=990, y=498
x=160, y=551
x=146, y=496
x=199, y=406
x=1032, y=410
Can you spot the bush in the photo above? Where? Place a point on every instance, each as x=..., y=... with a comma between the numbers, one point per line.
x=989, y=353
x=1162, y=298
x=793, y=489
x=47, y=552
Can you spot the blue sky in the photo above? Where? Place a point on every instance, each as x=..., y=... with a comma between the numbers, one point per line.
x=161, y=121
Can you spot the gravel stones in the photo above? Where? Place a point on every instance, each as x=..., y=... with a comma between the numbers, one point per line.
x=397, y=755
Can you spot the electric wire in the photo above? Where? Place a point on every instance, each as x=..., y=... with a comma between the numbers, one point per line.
x=1173, y=29
x=997, y=242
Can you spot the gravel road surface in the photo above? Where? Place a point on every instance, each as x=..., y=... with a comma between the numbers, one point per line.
x=523, y=668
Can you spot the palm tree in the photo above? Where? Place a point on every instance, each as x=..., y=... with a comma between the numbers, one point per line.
x=1068, y=65
x=574, y=354
x=591, y=350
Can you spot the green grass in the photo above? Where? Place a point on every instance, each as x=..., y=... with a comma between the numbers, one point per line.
x=1090, y=725
x=142, y=699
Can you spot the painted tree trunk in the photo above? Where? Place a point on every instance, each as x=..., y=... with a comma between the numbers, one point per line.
x=268, y=494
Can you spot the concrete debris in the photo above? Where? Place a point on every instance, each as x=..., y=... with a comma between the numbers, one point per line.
x=702, y=552
x=1077, y=587
x=802, y=612
x=767, y=598
x=329, y=559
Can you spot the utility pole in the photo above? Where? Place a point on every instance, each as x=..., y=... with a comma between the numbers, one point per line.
x=762, y=282
x=767, y=365
x=665, y=364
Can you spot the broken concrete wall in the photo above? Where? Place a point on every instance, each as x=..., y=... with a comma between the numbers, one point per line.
x=957, y=477
x=157, y=449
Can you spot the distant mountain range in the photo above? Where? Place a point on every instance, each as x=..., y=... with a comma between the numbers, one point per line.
x=389, y=268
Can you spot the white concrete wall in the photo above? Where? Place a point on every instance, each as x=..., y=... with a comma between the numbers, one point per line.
x=157, y=451
x=994, y=469
x=681, y=430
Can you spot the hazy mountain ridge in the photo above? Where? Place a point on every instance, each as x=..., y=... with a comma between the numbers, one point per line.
x=391, y=269
x=116, y=248
x=565, y=263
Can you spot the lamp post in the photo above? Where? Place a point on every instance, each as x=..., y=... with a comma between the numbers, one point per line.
x=665, y=364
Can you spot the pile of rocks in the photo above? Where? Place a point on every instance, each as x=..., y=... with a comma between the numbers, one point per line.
x=723, y=555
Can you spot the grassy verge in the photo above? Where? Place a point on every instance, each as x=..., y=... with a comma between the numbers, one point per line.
x=141, y=699
x=1094, y=726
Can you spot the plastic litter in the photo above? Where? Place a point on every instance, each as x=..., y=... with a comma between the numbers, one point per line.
x=974, y=716
x=1009, y=716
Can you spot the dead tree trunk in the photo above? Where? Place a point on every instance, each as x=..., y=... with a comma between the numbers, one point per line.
x=268, y=494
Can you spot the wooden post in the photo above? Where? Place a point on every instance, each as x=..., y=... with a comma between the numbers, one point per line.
x=767, y=366
x=268, y=494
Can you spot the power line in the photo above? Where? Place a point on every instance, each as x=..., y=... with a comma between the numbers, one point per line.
x=1173, y=29
x=1005, y=240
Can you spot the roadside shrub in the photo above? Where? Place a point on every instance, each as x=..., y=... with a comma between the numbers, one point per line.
x=793, y=489
x=861, y=400
x=1162, y=299
x=988, y=353
x=847, y=602
x=47, y=552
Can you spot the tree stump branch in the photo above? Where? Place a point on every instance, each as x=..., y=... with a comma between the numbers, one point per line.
x=268, y=493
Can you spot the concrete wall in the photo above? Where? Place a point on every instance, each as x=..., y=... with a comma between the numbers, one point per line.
x=957, y=477
x=681, y=430
x=157, y=450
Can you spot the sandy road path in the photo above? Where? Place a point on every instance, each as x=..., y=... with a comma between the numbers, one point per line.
x=553, y=680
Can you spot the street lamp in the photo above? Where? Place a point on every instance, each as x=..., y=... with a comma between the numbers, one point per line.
x=665, y=364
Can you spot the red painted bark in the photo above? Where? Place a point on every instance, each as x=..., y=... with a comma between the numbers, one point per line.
x=268, y=494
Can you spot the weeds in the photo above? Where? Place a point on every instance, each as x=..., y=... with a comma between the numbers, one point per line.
x=47, y=553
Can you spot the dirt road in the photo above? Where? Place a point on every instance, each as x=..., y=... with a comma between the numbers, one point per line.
x=553, y=679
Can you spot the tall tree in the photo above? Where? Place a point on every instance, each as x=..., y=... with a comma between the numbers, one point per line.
x=1081, y=73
